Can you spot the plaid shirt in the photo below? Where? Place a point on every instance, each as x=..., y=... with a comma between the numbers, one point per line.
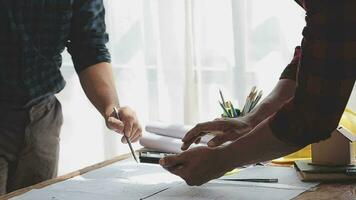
x=325, y=70
x=33, y=35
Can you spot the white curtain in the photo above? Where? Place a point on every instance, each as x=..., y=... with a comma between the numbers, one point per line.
x=170, y=59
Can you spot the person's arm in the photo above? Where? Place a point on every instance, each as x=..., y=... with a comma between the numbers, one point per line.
x=91, y=58
x=98, y=84
x=200, y=165
x=232, y=129
x=282, y=92
x=326, y=76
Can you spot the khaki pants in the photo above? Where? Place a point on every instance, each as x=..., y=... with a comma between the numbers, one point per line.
x=29, y=144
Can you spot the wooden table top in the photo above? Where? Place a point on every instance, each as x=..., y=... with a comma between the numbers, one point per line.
x=326, y=191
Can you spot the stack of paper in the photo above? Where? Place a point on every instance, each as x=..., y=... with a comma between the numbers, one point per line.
x=166, y=137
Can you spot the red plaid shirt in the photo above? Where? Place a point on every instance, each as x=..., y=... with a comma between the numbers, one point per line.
x=325, y=70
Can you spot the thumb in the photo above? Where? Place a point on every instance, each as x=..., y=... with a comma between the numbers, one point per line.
x=171, y=161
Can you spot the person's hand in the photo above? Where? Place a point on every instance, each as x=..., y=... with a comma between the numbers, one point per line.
x=196, y=166
x=224, y=129
x=128, y=124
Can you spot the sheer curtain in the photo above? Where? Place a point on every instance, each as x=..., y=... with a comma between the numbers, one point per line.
x=170, y=59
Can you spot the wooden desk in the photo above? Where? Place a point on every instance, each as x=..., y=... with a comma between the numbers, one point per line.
x=66, y=177
x=335, y=191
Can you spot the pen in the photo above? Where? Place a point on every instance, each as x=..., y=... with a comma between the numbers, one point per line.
x=223, y=107
x=127, y=139
x=258, y=98
x=256, y=180
x=233, y=110
x=222, y=98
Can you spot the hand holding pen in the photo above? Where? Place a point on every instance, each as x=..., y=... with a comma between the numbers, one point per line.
x=125, y=138
x=124, y=121
x=126, y=124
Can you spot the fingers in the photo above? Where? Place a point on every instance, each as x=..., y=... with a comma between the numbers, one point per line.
x=177, y=170
x=198, y=141
x=132, y=128
x=123, y=140
x=115, y=125
x=128, y=128
x=137, y=135
x=127, y=124
x=136, y=132
x=200, y=130
x=172, y=161
x=221, y=139
x=195, y=140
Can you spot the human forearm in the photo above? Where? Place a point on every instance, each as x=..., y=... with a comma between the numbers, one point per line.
x=202, y=164
x=283, y=91
x=99, y=86
x=257, y=146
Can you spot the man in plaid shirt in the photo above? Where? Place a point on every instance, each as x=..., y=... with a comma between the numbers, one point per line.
x=305, y=106
x=33, y=34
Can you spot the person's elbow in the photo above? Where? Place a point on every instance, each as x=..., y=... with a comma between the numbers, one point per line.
x=318, y=130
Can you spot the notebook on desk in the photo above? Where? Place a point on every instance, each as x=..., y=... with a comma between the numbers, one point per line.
x=309, y=172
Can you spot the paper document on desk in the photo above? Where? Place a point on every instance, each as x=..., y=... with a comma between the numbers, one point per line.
x=124, y=181
x=172, y=130
x=163, y=143
x=129, y=181
x=226, y=191
x=288, y=187
x=286, y=175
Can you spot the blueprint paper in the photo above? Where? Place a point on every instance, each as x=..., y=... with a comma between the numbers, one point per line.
x=132, y=181
x=123, y=181
x=288, y=187
x=221, y=191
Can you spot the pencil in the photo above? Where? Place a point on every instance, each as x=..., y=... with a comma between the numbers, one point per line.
x=233, y=110
x=223, y=107
x=256, y=180
x=259, y=96
x=222, y=98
